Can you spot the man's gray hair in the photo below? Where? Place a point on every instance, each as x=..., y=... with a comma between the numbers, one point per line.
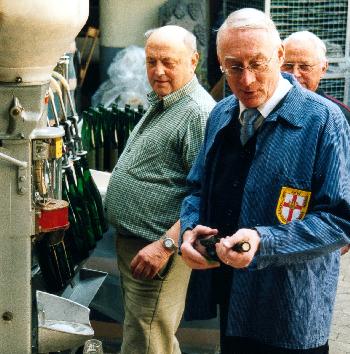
x=309, y=37
x=189, y=38
x=249, y=18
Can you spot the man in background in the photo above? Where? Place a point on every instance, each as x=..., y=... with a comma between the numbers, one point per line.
x=147, y=187
x=305, y=58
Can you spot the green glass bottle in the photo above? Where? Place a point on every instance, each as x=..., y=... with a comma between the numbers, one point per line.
x=100, y=133
x=117, y=144
x=75, y=238
x=139, y=113
x=107, y=134
x=114, y=147
x=88, y=137
x=129, y=121
x=54, y=260
x=80, y=208
x=99, y=137
x=86, y=194
x=120, y=118
x=85, y=129
x=90, y=183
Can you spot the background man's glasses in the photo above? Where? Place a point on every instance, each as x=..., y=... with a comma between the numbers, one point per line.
x=303, y=68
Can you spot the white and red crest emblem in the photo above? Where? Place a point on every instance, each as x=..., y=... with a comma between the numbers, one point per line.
x=292, y=204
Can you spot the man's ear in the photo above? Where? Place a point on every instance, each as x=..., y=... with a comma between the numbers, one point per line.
x=280, y=54
x=324, y=68
x=219, y=60
x=194, y=60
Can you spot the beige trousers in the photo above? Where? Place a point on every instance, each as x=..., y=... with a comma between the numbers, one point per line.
x=153, y=308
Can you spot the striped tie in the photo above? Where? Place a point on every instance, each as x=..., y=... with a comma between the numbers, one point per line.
x=248, y=118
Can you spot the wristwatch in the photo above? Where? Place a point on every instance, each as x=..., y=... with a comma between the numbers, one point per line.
x=168, y=243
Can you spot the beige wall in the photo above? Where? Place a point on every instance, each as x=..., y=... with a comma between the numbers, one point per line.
x=123, y=22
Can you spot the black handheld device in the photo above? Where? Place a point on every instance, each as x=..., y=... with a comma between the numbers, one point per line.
x=209, y=244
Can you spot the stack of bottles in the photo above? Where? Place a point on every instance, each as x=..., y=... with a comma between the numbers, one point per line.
x=105, y=132
x=86, y=218
x=59, y=257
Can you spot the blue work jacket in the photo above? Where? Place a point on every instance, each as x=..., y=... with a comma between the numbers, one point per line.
x=297, y=196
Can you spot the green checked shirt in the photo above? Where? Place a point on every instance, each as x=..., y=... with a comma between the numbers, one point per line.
x=148, y=183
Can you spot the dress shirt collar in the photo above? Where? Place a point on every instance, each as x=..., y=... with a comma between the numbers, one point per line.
x=266, y=108
x=170, y=99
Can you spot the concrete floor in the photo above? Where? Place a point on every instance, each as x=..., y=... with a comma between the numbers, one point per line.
x=340, y=333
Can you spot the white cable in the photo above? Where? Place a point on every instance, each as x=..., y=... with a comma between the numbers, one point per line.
x=14, y=161
x=53, y=105
x=65, y=84
x=56, y=88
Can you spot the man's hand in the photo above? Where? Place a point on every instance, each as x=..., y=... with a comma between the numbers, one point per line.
x=344, y=250
x=149, y=261
x=235, y=259
x=190, y=255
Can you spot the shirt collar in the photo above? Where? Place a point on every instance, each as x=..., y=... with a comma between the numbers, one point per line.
x=170, y=99
x=266, y=108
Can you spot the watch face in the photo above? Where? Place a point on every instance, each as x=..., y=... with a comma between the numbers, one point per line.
x=169, y=243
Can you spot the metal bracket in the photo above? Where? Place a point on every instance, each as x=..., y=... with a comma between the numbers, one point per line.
x=22, y=180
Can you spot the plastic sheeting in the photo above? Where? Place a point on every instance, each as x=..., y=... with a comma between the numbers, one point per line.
x=127, y=83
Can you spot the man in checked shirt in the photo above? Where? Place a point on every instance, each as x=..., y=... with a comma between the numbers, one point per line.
x=147, y=187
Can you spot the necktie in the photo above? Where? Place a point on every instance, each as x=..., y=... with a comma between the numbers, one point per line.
x=248, y=118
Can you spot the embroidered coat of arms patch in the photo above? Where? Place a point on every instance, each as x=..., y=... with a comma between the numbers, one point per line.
x=292, y=204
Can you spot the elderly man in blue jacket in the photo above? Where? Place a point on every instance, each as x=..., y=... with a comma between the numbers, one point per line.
x=274, y=172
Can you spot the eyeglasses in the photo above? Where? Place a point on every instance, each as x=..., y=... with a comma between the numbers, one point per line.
x=303, y=68
x=254, y=67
